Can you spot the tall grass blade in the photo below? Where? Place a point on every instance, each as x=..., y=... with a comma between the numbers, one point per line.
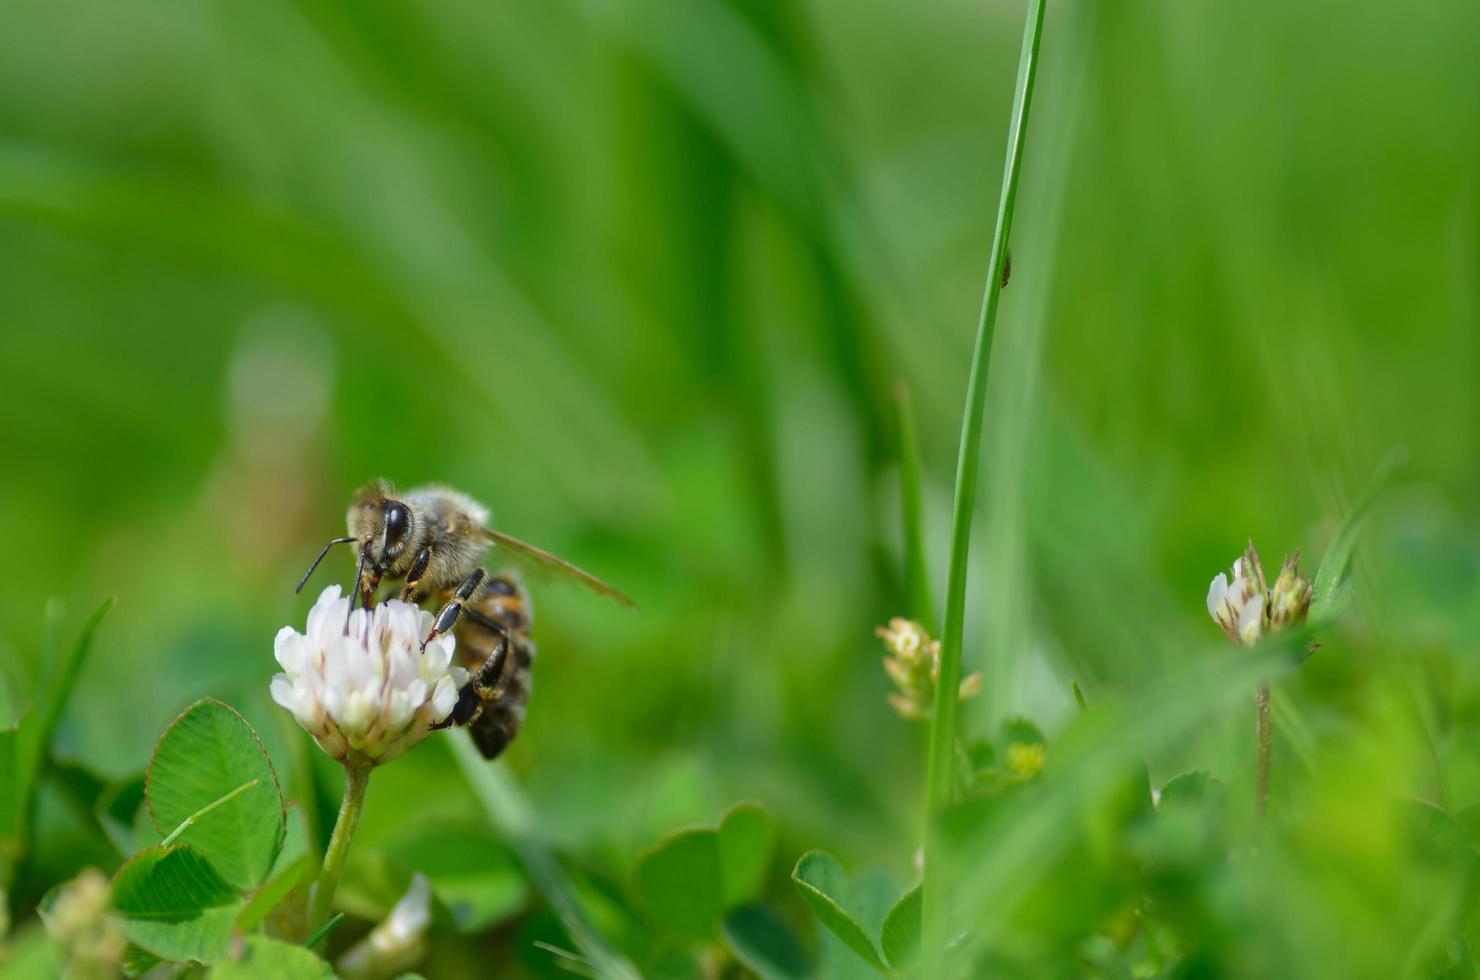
x=943, y=728
x=916, y=565
x=1330, y=591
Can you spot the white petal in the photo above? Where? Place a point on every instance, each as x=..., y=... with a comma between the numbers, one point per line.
x=438, y=656
x=282, y=692
x=1216, y=592
x=444, y=698
x=1251, y=619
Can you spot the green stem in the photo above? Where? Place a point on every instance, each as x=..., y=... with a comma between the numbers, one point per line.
x=943, y=728
x=356, y=778
x=1261, y=771
x=916, y=568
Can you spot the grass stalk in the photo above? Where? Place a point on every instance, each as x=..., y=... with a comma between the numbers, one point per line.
x=935, y=893
x=916, y=566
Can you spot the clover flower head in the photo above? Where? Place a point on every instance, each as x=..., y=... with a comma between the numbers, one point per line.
x=913, y=664
x=372, y=691
x=1246, y=607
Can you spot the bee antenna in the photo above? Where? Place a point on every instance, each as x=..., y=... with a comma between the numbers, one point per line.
x=304, y=580
x=353, y=596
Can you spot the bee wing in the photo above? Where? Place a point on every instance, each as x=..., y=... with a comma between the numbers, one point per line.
x=542, y=560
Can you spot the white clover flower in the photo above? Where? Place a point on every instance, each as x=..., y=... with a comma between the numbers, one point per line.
x=1246, y=607
x=371, y=691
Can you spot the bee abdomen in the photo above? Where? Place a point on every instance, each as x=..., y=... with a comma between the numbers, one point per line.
x=500, y=698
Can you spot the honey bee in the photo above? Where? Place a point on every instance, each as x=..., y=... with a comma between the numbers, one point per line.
x=434, y=540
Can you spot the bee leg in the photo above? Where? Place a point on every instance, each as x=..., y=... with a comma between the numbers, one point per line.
x=486, y=686
x=410, y=593
x=447, y=617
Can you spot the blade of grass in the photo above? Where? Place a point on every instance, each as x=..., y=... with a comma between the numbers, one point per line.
x=54, y=699
x=943, y=727
x=322, y=932
x=916, y=567
x=1330, y=593
x=510, y=815
x=54, y=689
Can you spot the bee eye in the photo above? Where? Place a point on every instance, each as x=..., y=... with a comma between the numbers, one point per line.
x=397, y=522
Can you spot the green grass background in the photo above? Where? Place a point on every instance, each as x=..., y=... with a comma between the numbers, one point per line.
x=641, y=275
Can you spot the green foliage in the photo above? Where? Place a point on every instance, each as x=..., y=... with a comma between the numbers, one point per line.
x=24, y=745
x=225, y=862
x=745, y=837
x=689, y=879
x=264, y=957
x=921, y=604
x=174, y=904
x=207, y=754
x=138, y=961
x=900, y=935
x=55, y=686
x=118, y=811
x=681, y=882
x=650, y=311
x=855, y=910
x=295, y=865
x=473, y=874
x=943, y=731
x=764, y=944
x=12, y=800
x=1190, y=787
x=1330, y=590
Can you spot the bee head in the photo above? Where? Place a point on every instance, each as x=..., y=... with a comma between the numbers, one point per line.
x=382, y=525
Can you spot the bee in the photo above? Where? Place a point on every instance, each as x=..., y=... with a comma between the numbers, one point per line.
x=434, y=541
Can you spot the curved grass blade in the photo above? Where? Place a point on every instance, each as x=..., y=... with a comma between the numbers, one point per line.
x=943, y=727
x=1331, y=591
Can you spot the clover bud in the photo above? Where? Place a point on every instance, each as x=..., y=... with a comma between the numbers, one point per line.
x=913, y=664
x=1289, y=597
x=1246, y=608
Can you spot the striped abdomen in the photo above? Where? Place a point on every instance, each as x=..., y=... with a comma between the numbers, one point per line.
x=501, y=687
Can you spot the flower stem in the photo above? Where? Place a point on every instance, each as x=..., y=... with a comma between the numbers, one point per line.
x=1261, y=770
x=356, y=778
x=943, y=728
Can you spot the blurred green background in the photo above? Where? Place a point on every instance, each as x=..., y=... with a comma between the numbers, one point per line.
x=641, y=276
